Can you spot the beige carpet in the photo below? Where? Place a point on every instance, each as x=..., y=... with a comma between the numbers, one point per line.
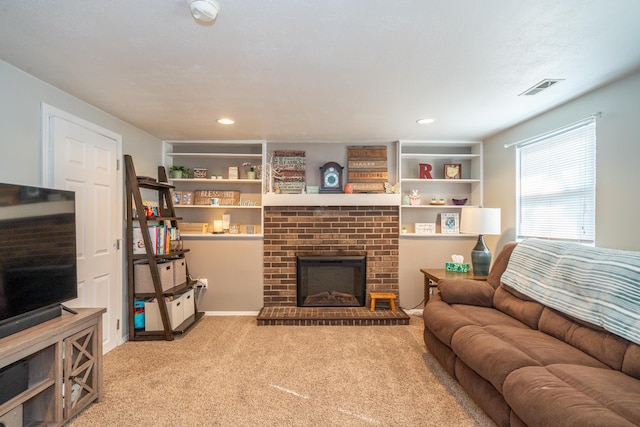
x=230, y=372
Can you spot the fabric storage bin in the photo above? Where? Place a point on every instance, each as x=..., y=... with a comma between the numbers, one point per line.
x=144, y=282
x=152, y=319
x=179, y=271
x=188, y=304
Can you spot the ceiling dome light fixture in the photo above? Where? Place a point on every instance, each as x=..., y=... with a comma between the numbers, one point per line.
x=425, y=121
x=205, y=10
x=226, y=121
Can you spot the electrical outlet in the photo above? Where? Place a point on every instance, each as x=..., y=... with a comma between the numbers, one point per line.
x=204, y=283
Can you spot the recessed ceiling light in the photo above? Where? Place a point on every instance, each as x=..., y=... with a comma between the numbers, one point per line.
x=425, y=121
x=225, y=121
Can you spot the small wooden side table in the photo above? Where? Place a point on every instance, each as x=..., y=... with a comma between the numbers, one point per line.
x=433, y=275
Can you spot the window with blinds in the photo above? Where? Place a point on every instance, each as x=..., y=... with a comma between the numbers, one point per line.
x=556, y=179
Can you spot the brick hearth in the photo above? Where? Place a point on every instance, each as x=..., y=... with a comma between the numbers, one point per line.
x=334, y=316
x=291, y=231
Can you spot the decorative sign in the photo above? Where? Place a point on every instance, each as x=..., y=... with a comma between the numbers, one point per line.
x=288, y=168
x=425, y=228
x=225, y=198
x=425, y=171
x=367, y=187
x=367, y=165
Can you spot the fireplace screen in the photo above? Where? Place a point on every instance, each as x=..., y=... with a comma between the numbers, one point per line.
x=331, y=281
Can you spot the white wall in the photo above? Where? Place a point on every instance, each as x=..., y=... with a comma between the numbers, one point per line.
x=617, y=160
x=20, y=97
x=20, y=102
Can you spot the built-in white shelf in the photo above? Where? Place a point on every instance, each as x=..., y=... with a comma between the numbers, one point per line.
x=445, y=181
x=222, y=236
x=437, y=206
x=218, y=181
x=447, y=235
x=447, y=156
x=216, y=155
x=215, y=207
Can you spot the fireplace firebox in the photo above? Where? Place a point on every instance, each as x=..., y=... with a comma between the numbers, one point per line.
x=331, y=281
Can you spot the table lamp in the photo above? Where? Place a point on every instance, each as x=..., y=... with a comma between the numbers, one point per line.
x=480, y=221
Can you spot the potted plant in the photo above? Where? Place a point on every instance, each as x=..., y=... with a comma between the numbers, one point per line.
x=251, y=173
x=177, y=172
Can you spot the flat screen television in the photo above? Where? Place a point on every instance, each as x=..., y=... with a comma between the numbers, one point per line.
x=38, y=268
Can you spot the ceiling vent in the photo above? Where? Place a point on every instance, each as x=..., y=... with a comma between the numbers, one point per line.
x=539, y=87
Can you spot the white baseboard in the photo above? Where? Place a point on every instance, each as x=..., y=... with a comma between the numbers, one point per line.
x=231, y=313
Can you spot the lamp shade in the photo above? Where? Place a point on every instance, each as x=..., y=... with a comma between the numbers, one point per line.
x=480, y=221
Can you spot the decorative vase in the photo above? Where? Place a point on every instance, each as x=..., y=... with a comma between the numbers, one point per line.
x=348, y=188
x=251, y=175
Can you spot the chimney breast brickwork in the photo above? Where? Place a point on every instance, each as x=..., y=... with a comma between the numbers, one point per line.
x=291, y=231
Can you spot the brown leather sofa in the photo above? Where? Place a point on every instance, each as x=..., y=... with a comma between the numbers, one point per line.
x=526, y=364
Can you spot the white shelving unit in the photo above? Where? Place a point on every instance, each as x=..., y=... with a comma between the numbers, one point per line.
x=216, y=157
x=438, y=153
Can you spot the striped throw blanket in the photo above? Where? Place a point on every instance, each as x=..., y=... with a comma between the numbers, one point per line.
x=600, y=286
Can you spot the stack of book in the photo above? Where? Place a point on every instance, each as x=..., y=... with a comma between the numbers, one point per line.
x=161, y=237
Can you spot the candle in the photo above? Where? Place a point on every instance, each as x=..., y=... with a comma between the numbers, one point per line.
x=217, y=226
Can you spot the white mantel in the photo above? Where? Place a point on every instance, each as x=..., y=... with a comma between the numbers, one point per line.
x=272, y=199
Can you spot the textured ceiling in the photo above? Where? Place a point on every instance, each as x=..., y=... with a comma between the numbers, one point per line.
x=331, y=70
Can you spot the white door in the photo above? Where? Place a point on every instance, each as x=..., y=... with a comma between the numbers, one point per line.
x=83, y=158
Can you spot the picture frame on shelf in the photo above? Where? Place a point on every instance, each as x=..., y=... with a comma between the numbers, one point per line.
x=453, y=171
x=449, y=223
x=233, y=172
x=187, y=198
x=200, y=173
x=177, y=197
x=234, y=228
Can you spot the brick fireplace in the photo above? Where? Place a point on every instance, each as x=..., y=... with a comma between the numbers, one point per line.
x=295, y=231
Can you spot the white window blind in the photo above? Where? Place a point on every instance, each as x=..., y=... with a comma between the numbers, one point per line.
x=556, y=178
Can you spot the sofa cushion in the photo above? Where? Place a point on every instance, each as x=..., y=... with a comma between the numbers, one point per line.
x=631, y=361
x=573, y=395
x=484, y=394
x=595, y=341
x=491, y=357
x=466, y=291
x=542, y=347
x=494, y=351
x=528, y=312
x=500, y=264
x=443, y=319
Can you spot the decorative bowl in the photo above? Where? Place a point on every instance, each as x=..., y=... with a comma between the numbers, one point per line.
x=459, y=202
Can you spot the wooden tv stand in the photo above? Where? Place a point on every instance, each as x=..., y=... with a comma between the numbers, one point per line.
x=64, y=359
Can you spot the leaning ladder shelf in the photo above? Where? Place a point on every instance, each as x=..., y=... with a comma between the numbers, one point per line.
x=166, y=213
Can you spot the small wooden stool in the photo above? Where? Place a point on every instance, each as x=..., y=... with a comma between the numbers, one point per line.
x=383, y=295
